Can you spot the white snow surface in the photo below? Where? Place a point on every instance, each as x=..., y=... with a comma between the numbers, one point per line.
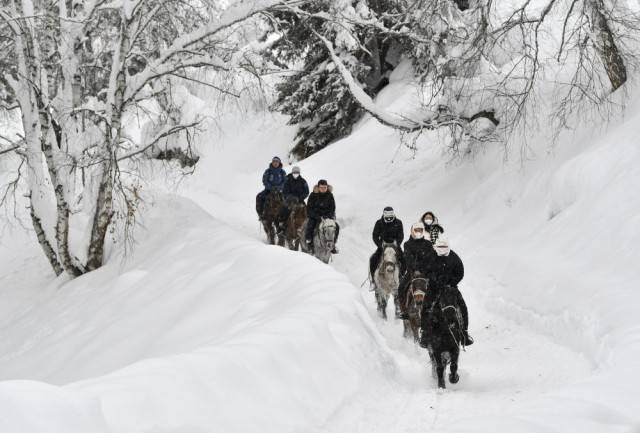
x=204, y=328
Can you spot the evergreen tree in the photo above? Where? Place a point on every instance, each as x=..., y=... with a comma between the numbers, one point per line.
x=316, y=97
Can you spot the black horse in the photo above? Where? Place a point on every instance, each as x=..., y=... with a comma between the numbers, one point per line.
x=442, y=332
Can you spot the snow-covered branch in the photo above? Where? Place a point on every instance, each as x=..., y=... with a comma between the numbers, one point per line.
x=440, y=118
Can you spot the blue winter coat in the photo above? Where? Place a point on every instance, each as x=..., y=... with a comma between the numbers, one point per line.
x=273, y=178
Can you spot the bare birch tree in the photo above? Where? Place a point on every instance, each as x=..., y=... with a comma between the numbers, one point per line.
x=76, y=70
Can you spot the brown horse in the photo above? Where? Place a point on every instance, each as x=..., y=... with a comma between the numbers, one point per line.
x=293, y=232
x=272, y=205
x=414, y=298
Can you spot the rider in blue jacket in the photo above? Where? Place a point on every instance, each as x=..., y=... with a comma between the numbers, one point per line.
x=272, y=179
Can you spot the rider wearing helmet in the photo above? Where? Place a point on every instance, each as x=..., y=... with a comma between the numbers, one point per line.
x=387, y=229
x=448, y=271
x=272, y=179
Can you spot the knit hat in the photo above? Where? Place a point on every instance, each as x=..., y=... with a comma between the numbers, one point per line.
x=388, y=214
x=276, y=158
x=295, y=169
x=442, y=246
x=417, y=230
x=322, y=182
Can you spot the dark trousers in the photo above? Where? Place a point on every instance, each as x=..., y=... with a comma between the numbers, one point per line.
x=312, y=222
x=373, y=261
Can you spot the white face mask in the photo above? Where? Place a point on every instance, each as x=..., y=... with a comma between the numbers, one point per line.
x=442, y=251
x=428, y=222
x=296, y=175
x=418, y=235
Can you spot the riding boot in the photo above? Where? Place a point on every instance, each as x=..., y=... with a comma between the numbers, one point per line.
x=468, y=341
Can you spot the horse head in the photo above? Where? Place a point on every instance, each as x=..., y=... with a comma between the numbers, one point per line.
x=327, y=231
x=448, y=304
x=389, y=257
x=418, y=288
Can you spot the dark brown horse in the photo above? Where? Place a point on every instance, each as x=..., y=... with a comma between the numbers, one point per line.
x=414, y=298
x=297, y=217
x=272, y=205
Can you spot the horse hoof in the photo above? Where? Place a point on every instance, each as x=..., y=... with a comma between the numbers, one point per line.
x=441, y=384
x=454, y=378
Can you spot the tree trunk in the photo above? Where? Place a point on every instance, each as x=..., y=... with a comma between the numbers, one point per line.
x=102, y=218
x=63, y=211
x=43, y=241
x=606, y=46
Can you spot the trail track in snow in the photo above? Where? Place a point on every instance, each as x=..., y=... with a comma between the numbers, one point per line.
x=508, y=364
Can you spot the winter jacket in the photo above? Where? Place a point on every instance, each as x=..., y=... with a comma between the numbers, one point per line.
x=297, y=188
x=273, y=178
x=321, y=204
x=433, y=230
x=448, y=271
x=388, y=232
x=420, y=256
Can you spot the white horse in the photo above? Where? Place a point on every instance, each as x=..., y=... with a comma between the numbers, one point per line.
x=386, y=278
x=323, y=239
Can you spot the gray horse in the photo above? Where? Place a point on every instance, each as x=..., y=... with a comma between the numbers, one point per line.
x=323, y=239
x=386, y=278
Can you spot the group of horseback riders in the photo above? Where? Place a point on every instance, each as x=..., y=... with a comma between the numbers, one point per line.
x=426, y=253
x=295, y=189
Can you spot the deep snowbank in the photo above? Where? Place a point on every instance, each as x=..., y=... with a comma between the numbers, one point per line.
x=205, y=330
x=550, y=251
x=201, y=330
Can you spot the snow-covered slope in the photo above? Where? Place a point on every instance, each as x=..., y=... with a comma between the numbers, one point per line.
x=206, y=329
x=202, y=330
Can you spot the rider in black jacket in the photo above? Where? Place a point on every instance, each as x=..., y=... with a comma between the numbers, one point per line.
x=419, y=256
x=387, y=229
x=448, y=271
x=321, y=204
x=295, y=191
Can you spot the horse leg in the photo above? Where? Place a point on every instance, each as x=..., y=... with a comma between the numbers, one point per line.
x=432, y=360
x=453, y=368
x=272, y=234
x=415, y=328
x=407, y=328
x=440, y=364
x=396, y=303
x=381, y=305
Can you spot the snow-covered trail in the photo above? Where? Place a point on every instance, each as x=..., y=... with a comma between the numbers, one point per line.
x=511, y=362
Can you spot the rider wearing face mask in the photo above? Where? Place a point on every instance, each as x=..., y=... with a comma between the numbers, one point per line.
x=387, y=229
x=295, y=190
x=419, y=257
x=432, y=228
x=448, y=271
